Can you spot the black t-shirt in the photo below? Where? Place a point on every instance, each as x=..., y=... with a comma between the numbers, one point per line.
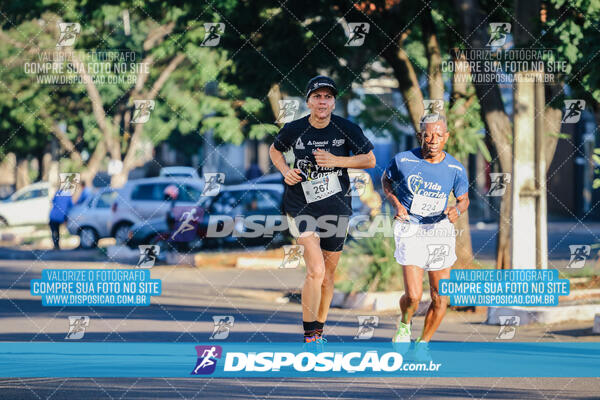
x=341, y=138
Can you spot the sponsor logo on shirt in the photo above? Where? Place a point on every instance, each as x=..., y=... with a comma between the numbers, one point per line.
x=417, y=185
x=299, y=145
x=338, y=142
x=318, y=144
x=404, y=159
x=312, y=171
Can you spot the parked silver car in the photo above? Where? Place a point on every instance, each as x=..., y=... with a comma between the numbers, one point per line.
x=179, y=172
x=89, y=219
x=29, y=205
x=141, y=200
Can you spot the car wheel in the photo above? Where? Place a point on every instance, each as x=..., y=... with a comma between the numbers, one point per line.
x=88, y=237
x=122, y=234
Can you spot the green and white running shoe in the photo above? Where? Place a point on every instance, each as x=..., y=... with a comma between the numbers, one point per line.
x=402, y=334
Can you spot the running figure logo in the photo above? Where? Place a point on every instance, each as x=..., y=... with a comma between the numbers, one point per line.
x=437, y=255
x=287, y=111
x=68, y=33
x=212, y=37
x=68, y=183
x=432, y=110
x=366, y=326
x=357, y=32
x=499, y=33
x=414, y=183
x=579, y=254
x=77, y=326
x=207, y=359
x=508, y=326
x=187, y=222
x=498, y=183
x=358, y=183
x=306, y=167
x=292, y=255
x=212, y=183
x=573, y=110
x=223, y=324
x=148, y=255
x=141, y=111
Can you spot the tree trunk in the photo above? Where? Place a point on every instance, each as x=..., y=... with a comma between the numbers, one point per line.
x=503, y=252
x=22, y=174
x=407, y=82
x=434, y=57
x=494, y=117
x=274, y=96
x=552, y=121
x=94, y=163
x=464, y=246
x=8, y=168
x=129, y=161
x=46, y=161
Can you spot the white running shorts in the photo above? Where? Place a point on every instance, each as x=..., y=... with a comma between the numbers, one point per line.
x=428, y=246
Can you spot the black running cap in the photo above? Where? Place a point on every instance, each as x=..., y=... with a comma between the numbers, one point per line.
x=319, y=82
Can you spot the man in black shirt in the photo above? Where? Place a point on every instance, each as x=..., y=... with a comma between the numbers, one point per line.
x=315, y=201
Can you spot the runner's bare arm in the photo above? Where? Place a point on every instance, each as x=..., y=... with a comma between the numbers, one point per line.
x=462, y=203
x=388, y=189
x=290, y=176
x=328, y=160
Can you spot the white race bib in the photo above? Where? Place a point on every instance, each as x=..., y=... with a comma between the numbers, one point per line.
x=322, y=188
x=427, y=206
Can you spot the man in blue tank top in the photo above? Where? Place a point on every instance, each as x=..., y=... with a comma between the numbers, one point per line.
x=418, y=183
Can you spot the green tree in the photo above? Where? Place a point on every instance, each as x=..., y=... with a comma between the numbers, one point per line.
x=98, y=116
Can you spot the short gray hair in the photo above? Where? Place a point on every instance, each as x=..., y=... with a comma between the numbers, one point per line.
x=428, y=119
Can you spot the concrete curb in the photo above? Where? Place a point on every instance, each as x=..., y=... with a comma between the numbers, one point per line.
x=127, y=255
x=267, y=259
x=544, y=315
x=550, y=315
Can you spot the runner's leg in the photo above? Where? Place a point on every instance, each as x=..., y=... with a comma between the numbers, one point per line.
x=331, y=259
x=437, y=308
x=55, y=229
x=315, y=273
x=413, y=290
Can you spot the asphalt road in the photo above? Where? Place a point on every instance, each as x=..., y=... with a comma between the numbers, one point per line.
x=183, y=314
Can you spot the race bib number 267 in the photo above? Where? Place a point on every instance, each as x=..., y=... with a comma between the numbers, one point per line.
x=322, y=188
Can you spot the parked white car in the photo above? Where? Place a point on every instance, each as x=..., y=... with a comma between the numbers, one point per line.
x=27, y=206
x=144, y=199
x=90, y=219
x=179, y=172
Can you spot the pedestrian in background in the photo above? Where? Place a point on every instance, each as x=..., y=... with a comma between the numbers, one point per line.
x=84, y=195
x=61, y=205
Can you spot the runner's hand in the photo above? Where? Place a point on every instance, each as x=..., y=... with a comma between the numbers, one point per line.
x=292, y=176
x=325, y=158
x=451, y=213
x=401, y=213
